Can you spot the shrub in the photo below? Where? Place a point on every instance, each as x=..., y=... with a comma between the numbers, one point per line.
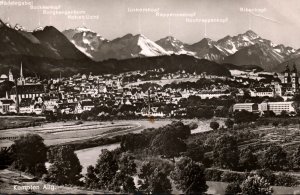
x=275, y=158
x=284, y=179
x=256, y=185
x=193, y=125
x=213, y=174
x=267, y=174
x=233, y=188
x=233, y=177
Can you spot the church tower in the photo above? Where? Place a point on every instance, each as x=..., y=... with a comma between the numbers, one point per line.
x=21, y=79
x=10, y=76
x=287, y=78
x=295, y=79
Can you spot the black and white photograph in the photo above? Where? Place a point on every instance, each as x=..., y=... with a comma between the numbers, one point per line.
x=150, y=97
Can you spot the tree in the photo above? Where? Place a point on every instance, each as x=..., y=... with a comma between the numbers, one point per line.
x=85, y=115
x=179, y=129
x=126, y=164
x=65, y=167
x=255, y=184
x=284, y=113
x=296, y=158
x=132, y=142
x=105, y=169
x=214, y=125
x=267, y=174
x=229, y=123
x=30, y=154
x=226, y=153
x=193, y=125
x=189, y=176
x=113, y=171
x=286, y=125
x=248, y=160
x=244, y=117
x=275, y=124
x=168, y=144
x=154, y=179
x=122, y=180
x=122, y=183
x=195, y=151
x=6, y=158
x=233, y=188
x=91, y=180
x=275, y=158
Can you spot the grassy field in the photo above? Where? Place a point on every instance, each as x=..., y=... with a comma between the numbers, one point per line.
x=63, y=132
x=9, y=122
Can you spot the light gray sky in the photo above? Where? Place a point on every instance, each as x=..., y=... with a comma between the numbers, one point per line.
x=280, y=22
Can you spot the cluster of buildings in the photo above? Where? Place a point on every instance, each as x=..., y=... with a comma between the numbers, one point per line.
x=286, y=88
x=80, y=93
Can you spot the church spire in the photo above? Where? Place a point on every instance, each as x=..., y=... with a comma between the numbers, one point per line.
x=21, y=71
x=22, y=79
x=10, y=76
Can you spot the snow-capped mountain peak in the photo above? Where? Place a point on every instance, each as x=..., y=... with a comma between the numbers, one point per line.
x=83, y=29
x=173, y=46
x=252, y=35
x=40, y=28
x=19, y=27
x=148, y=47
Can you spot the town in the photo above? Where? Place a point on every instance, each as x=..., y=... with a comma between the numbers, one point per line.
x=152, y=93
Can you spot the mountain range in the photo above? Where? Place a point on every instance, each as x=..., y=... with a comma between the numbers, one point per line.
x=82, y=49
x=243, y=49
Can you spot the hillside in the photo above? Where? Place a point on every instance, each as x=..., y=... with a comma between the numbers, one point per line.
x=47, y=67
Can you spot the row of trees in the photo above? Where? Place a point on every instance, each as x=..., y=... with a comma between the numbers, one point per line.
x=114, y=171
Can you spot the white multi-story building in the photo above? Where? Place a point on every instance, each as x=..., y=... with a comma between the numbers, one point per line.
x=277, y=107
x=250, y=107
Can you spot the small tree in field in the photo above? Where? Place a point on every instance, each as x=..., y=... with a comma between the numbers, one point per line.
x=275, y=124
x=214, y=125
x=229, y=123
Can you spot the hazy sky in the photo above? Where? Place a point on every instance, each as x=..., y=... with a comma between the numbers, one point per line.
x=277, y=20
